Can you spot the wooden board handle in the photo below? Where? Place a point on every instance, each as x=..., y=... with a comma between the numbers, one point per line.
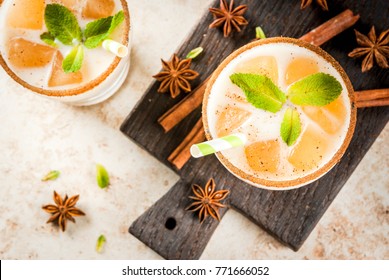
x=171, y=231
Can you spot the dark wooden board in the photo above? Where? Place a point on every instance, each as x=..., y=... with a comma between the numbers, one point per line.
x=289, y=216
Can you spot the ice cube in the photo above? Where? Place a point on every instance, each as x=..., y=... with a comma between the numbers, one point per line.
x=26, y=14
x=23, y=53
x=310, y=149
x=58, y=77
x=330, y=117
x=263, y=65
x=98, y=8
x=299, y=68
x=263, y=156
x=230, y=119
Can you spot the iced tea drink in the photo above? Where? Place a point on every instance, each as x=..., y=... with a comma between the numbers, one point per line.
x=320, y=134
x=35, y=58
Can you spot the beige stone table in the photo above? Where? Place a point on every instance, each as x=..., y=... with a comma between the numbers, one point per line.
x=38, y=135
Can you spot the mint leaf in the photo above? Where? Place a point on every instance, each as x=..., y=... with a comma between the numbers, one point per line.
x=259, y=34
x=290, y=126
x=100, y=243
x=52, y=175
x=102, y=176
x=62, y=24
x=73, y=61
x=194, y=53
x=48, y=39
x=260, y=91
x=96, y=31
x=117, y=19
x=99, y=30
x=318, y=89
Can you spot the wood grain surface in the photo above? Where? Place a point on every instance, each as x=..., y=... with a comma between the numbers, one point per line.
x=289, y=216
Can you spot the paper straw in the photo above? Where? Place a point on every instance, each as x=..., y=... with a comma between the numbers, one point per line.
x=217, y=145
x=115, y=48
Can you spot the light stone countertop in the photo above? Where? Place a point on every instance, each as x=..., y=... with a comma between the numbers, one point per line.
x=38, y=135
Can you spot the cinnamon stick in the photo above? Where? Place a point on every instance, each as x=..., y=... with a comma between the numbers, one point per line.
x=372, y=98
x=331, y=28
x=177, y=113
x=183, y=108
x=182, y=153
x=317, y=36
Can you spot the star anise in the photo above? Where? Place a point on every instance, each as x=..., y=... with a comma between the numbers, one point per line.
x=175, y=75
x=228, y=17
x=321, y=3
x=207, y=200
x=63, y=210
x=373, y=48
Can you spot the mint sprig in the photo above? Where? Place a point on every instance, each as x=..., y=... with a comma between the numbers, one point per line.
x=63, y=26
x=290, y=126
x=260, y=91
x=99, y=30
x=317, y=89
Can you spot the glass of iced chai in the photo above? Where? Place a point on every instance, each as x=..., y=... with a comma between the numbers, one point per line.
x=35, y=58
x=319, y=127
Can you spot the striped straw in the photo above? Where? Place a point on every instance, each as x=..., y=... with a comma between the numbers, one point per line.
x=217, y=145
x=115, y=48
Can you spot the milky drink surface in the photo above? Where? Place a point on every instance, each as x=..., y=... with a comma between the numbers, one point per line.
x=266, y=156
x=39, y=64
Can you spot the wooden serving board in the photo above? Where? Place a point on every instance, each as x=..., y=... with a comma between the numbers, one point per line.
x=289, y=216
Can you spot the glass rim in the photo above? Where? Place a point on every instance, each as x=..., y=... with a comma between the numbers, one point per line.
x=308, y=178
x=89, y=85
